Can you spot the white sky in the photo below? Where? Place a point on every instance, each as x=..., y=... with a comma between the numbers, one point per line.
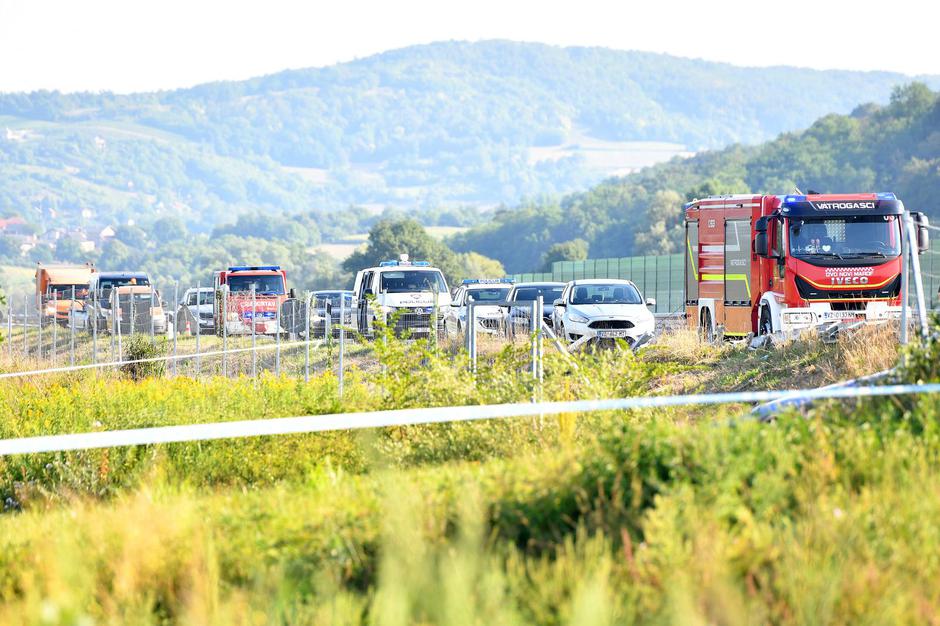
x=130, y=45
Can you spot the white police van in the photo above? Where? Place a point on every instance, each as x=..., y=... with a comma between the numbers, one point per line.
x=489, y=319
x=404, y=292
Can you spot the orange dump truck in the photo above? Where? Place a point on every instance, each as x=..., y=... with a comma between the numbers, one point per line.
x=56, y=285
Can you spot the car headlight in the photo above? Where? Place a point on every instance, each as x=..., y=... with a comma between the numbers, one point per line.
x=577, y=318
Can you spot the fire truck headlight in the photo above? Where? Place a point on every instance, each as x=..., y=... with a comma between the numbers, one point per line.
x=798, y=318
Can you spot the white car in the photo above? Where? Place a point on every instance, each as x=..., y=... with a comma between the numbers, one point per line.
x=489, y=318
x=197, y=311
x=602, y=310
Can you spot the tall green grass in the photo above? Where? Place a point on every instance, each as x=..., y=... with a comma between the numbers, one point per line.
x=668, y=516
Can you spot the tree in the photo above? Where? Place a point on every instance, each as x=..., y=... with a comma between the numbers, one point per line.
x=473, y=265
x=169, y=229
x=574, y=250
x=391, y=238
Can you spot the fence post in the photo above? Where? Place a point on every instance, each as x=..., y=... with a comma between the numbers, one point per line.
x=117, y=315
x=176, y=321
x=342, y=339
x=197, y=330
x=223, y=293
x=41, y=308
x=55, y=330
x=10, y=329
x=25, y=326
x=308, y=298
x=905, y=284
x=132, y=329
x=472, y=332
x=72, y=328
x=277, y=339
x=113, y=330
x=153, y=338
x=254, y=326
x=540, y=343
x=94, y=328
x=533, y=329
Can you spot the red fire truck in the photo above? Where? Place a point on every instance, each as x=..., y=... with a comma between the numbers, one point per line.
x=248, y=297
x=784, y=264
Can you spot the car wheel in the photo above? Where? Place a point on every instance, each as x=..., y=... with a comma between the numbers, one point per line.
x=765, y=326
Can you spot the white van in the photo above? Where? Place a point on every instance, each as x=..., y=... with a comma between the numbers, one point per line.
x=403, y=291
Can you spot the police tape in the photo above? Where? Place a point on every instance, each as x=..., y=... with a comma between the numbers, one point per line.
x=413, y=417
x=286, y=345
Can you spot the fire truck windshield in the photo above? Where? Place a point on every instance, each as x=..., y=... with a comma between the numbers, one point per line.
x=850, y=237
x=264, y=285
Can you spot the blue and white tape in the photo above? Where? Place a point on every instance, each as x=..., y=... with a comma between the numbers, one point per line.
x=408, y=417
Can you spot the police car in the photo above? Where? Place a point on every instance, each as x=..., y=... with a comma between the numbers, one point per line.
x=489, y=318
x=405, y=291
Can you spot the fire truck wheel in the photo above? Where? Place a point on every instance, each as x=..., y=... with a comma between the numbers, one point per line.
x=707, y=329
x=765, y=326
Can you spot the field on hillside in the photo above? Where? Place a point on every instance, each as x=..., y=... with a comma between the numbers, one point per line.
x=682, y=515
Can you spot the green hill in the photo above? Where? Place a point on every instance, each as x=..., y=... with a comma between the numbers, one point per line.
x=446, y=123
x=876, y=148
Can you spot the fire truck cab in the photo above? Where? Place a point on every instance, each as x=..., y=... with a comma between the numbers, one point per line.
x=785, y=264
x=248, y=299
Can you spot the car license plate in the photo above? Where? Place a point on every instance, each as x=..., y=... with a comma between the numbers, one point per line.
x=610, y=334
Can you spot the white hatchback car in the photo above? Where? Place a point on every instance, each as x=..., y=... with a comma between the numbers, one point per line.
x=601, y=310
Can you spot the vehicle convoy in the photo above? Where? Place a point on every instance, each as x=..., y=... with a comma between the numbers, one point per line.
x=407, y=292
x=197, y=311
x=516, y=318
x=785, y=264
x=100, y=297
x=57, y=285
x=339, y=301
x=248, y=297
x=489, y=319
x=602, y=310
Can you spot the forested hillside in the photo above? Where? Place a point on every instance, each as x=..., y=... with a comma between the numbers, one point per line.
x=446, y=123
x=876, y=148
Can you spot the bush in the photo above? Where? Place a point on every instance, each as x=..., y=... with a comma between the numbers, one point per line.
x=141, y=347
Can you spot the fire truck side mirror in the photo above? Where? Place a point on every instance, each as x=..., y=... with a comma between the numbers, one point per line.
x=923, y=234
x=760, y=244
x=760, y=237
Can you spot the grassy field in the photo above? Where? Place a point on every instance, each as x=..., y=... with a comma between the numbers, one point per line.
x=684, y=516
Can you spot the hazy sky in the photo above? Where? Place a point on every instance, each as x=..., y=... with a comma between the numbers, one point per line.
x=128, y=45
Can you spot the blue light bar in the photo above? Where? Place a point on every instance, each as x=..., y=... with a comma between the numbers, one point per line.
x=255, y=268
x=404, y=264
x=794, y=199
x=487, y=281
x=886, y=195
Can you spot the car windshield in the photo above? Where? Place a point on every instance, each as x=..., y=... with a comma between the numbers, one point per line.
x=207, y=297
x=106, y=284
x=333, y=297
x=528, y=294
x=409, y=281
x=263, y=284
x=65, y=291
x=488, y=294
x=608, y=293
x=846, y=237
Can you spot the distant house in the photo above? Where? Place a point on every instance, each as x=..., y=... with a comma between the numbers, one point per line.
x=13, y=225
x=106, y=234
x=52, y=235
x=86, y=246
